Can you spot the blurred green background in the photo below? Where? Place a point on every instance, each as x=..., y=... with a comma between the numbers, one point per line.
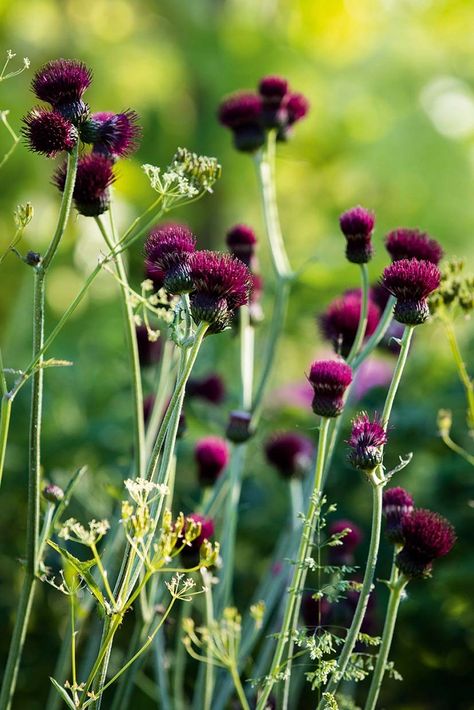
x=391, y=125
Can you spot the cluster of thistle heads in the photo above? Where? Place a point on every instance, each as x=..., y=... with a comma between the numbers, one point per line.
x=67, y=119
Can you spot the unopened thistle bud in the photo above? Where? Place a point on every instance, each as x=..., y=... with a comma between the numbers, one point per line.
x=357, y=225
x=340, y=321
x=397, y=503
x=427, y=536
x=62, y=83
x=241, y=242
x=238, y=427
x=212, y=456
x=291, y=454
x=413, y=244
x=53, y=493
x=243, y=114
x=367, y=438
x=411, y=281
x=48, y=132
x=274, y=93
x=91, y=193
x=169, y=247
x=329, y=379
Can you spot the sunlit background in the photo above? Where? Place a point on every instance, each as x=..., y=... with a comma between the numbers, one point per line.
x=391, y=126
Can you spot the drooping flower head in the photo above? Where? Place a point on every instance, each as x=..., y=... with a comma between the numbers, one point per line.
x=221, y=284
x=343, y=554
x=340, y=321
x=274, y=92
x=242, y=112
x=48, y=132
x=115, y=135
x=357, y=225
x=291, y=454
x=426, y=536
x=329, y=379
x=149, y=350
x=397, y=503
x=411, y=281
x=212, y=456
x=365, y=441
x=62, y=83
x=413, y=244
x=210, y=388
x=95, y=174
x=241, y=242
x=169, y=247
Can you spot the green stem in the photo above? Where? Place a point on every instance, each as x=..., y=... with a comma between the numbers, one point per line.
x=238, y=687
x=397, y=375
x=209, y=679
x=362, y=326
x=377, y=336
x=5, y=414
x=462, y=370
x=457, y=449
x=300, y=570
x=247, y=343
x=396, y=595
x=163, y=391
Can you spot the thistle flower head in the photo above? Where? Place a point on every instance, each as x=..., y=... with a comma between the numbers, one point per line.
x=297, y=106
x=412, y=244
x=94, y=176
x=426, y=536
x=273, y=87
x=365, y=441
x=112, y=134
x=155, y=274
x=48, y=132
x=169, y=247
x=221, y=284
x=357, y=225
x=242, y=112
x=411, y=281
x=238, y=426
x=241, y=241
x=212, y=456
x=340, y=321
x=397, y=503
x=207, y=529
x=343, y=554
x=274, y=92
x=289, y=453
x=62, y=83
x=210, y=388
x=329, y=379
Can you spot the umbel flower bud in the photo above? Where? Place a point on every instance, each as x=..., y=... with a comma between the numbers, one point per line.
x=242, y=112
x=212, y=456
x=48, y=132
x=53, y=493
x=91, y=191
x=241, y=242
x=413, y=244
x=343, y=554
x=365, y=441
x=397, y=503
x=238, y=427
x=329, y=379
x=427, y=536
x=62, y=83
x=169, y=248
x=115, y=135
x=291, y=454
x=357, y=225
x=411, y=281
x=221, y=285
x=340, y=321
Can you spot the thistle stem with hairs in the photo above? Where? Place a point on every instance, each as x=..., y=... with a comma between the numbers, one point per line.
x=362, y=325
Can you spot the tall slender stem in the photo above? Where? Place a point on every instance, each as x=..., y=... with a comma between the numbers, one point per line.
x=209, y=679
x=462, y=370
x=377, y=335
x=362, y=325
x=397, y=375
x=300, y=570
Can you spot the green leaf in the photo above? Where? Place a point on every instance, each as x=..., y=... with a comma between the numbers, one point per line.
x=63, y=694
x=82, y=568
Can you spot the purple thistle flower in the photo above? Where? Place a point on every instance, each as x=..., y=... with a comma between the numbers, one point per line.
x=297, y=106
x=379, y=295
x=340, y=321
x=396, y=504
x=221, y=285
x=155, y=274
x=238, y=426
x=291, y=454
x=212, y=456
x=412, y=244
x=329, y=379
x=411, y=281
x=273, y=87
x=62, y=83
x=426, y=536
x=95, y=174
x=48, y=132
x=241, y=241
x=357, y=225
x=344, y=554
x=114, y=135
x=169, y=247
x=149, y=351
x=365, y=441
x=242, y=112
x=273, y=90
x=210, y=388
x=207, y=529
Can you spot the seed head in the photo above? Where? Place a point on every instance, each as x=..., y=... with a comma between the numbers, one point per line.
x=212, y=456
x=329, y=379
x=413, y=244
x=48, y=132
x=94, y=176
x=62, y=83
x=427, y=536
x=357, y=225
x=169, y=247
x=365, y=441
x=291, y=454
x=340, y=321
x=397, y=503
x=411, y=281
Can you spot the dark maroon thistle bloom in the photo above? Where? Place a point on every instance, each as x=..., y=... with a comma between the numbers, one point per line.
x=329, y=379
x=212, y=456
x=243, y=114
x=149, y=351
x=241, y=242
x=365, y=441
x=91, y=193
x=62, y=84
x=413, y=244
x=291, y=454
x=115, y=135
x=426, y=536
x=48, y=132
x=274, y=92
x=397, y=503
x=357, y=225
x=296, y=107
x=343, y=554
x=221, y=284
x=238, y=428
x=411, y=281
x=340, y=321
x=210, y=388
x=169, y=247
x=155, y=274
